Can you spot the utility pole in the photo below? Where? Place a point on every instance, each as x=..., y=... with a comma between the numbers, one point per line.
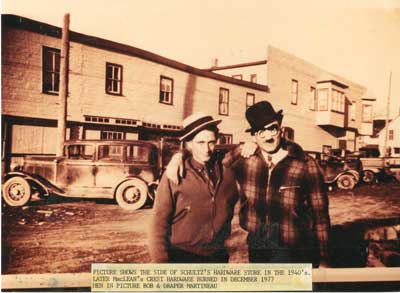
x=386, y=149
x=62, y=114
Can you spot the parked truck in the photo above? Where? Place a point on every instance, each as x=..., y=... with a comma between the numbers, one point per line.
x=380, y=169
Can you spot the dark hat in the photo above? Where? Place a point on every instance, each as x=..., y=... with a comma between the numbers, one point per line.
x=261, y=114
x=196, y=123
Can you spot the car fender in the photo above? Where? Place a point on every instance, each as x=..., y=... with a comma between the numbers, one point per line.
x=375, y=170
x=37, y=181
x=350, y=172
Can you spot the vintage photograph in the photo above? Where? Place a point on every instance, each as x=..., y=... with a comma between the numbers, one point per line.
x=201, y=132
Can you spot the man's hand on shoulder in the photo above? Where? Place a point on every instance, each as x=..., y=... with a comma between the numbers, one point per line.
x=175, y=169
x=248, y=149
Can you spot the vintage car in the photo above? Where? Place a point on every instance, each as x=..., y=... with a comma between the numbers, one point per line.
x=343, y=172
x=127, y=171
x=382, y=169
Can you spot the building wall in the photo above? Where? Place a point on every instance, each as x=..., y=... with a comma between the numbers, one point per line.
x=22, y=95
x=393, y=144
x=282, y=67
x=22, y=75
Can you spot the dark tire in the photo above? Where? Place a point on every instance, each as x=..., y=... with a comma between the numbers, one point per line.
x=16, y=192
x=132, y=194
x=368, y=176
x=346, y=181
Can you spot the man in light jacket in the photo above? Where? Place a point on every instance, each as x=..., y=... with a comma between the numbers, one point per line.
x=191, y=220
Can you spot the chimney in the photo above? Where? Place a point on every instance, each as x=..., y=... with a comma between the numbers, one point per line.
x=214, y=62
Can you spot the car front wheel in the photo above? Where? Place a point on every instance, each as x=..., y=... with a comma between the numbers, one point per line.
x=346, y=181
x=132, y=194
x=16, y=192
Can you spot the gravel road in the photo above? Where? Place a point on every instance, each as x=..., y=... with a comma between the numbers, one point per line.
x=66, y=235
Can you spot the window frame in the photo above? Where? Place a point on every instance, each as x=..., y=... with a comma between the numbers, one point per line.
x=80, y=152
x=253, y=101
x=353, y=112
x=56, y=52
x=220, y=101
x=338, y=101
x=115, y=153
x=326, y=101
x=119, y=81
x=391, y=134
x=314, y=99
x=161, y=93
x=363, y=113
x=227, y=137
x=107, y=133
x=294, y=97
x=237, y=76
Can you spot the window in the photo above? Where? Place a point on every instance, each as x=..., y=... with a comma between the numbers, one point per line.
x=97, y=119
x=112, y=135
x=223, y=101
x=112, y=153
x=250, y=98
x=391, y=134
x=237, y=76
x=367, y=113
x=353, y=111
x=295, y=88
x=322, y=99
x=337, y=101
x=396, y=150
x=51, y=70
x=253, y=78
x=166, y=90
x=113, y=79
x=342, y=144
x=225, y=138
x=79, y=152
x=313, y=99
x=137, y=153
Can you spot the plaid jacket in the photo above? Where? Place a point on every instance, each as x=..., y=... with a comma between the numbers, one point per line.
x=294, y=213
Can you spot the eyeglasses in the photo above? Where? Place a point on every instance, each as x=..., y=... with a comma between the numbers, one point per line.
x=272, y=130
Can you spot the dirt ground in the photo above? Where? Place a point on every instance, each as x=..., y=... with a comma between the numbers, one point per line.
x=63, y=235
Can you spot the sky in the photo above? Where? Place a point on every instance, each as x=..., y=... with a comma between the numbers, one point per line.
x=356, y=39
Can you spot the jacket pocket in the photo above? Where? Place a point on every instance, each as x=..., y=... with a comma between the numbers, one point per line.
x=181, y=214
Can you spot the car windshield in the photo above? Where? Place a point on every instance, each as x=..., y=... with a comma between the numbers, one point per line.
x=79, y=152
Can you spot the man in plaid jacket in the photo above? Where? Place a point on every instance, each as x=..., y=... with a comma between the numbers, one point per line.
x=283, y=202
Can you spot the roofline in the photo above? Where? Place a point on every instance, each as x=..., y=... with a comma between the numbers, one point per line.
x=247, y=64
x=335, y=82
x=11, y=20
